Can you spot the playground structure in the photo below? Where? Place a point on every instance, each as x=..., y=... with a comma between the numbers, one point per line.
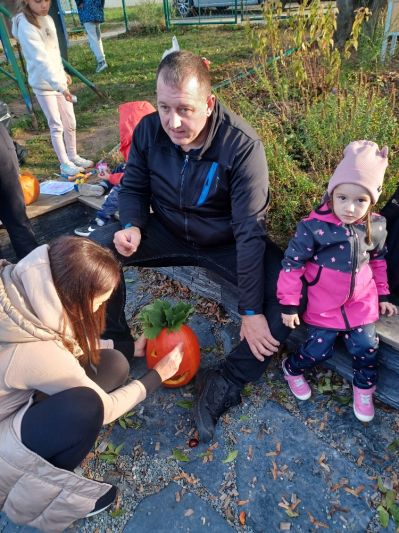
x=64, y=14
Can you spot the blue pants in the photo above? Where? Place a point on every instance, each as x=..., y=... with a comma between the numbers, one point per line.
x=361, y=343
x=111, y=204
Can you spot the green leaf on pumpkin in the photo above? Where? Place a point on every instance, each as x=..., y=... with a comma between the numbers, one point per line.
x=161, y=314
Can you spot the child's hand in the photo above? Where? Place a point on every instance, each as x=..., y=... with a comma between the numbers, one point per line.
x=386, y=308
x=67, y=96
x=291, y=321
x=69, y=79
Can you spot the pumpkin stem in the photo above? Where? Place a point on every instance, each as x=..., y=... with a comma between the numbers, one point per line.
x=161, y=314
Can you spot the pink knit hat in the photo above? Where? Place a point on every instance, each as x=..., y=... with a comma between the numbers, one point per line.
x=363, y=164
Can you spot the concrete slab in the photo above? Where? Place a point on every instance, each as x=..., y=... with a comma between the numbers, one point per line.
x=163, y=514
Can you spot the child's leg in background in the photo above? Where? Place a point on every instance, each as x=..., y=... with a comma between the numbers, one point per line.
x=317, y=348
x=94, y=36
x=50, y=108
x=68, y=119
x=110, y=206
x=362, y=344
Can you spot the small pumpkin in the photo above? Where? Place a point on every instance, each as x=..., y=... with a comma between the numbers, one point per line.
x=164, y=327
x=30, y=187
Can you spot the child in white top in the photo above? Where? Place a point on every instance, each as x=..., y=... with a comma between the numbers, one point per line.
x=35, y=30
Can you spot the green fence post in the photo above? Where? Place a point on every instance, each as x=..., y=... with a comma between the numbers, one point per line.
x=18, y=78
x=125, y=15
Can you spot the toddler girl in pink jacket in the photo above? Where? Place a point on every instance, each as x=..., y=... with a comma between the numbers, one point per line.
x=337, y=254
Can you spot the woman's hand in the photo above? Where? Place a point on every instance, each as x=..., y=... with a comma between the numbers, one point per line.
x=169, y=365
x=69, y=79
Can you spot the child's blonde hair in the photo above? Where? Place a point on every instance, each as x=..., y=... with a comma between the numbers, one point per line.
x=23, y=7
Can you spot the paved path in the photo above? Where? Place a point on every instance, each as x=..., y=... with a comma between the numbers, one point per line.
x=275, y=464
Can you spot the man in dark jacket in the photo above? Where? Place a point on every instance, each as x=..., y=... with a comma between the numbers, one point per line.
x=203, y=171
x=12, y=205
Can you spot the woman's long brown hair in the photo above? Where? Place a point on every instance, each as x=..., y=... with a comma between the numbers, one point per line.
x=22, y=7
x=82, y=270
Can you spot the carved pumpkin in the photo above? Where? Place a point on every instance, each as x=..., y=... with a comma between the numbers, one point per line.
x=30, y=187
x=164, y=327
x=165, y=342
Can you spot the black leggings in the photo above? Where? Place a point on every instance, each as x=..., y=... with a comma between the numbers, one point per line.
x=62, y=428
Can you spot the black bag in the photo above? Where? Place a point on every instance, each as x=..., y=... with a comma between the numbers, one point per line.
x=391, y=212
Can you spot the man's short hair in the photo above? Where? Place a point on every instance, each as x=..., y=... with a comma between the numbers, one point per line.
x=177, y=67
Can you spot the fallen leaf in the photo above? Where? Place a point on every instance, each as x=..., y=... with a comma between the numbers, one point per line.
x=285, y=526
x=188, y=512
x=339, y=485
x=322, y=463
x=242, y=502
x=274, y=470
x=250, y=452
x=355, y=492
x=316, y=522
x=177, y=496
x=232, y=455
x=360, y=459
x=243, y=518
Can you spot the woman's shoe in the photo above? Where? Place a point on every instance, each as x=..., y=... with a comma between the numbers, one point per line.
x=104, y=502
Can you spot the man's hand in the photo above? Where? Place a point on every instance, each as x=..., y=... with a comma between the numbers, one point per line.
x=257, y=333
x=386, y=308
x=127, y=241
x=291, y=321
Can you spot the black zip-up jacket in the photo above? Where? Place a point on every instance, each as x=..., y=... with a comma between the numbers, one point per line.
x=212, y=196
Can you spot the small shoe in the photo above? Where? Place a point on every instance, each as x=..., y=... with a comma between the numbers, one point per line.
x=90, y=189
x=70, y=169
x=363, y=406
x=81, y=162
x=297, y=384
x=86, y=231
x=101, y=65
x=104, y=502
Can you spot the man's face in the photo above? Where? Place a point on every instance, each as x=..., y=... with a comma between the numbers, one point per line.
x=184, y=112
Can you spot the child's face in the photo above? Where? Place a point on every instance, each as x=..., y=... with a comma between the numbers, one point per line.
x=350, y=202
x=40, y=8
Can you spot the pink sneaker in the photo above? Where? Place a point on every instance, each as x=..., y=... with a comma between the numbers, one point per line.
x=363, y=406
x=298, y=384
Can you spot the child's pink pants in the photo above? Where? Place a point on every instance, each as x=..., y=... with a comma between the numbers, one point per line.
x=62, y=123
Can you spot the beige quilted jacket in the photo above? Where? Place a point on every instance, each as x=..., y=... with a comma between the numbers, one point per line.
x=32, y=357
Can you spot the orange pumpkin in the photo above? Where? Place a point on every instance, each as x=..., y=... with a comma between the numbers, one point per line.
x=165, y=342
x=30, y=187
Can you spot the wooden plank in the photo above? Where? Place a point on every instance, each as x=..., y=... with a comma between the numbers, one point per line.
x=50, y=202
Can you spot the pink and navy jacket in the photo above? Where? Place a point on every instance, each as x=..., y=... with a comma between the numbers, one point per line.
x=344, y=276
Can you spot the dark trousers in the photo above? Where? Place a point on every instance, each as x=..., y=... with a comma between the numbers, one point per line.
x=63, y=427
x=361, y=343
x=12, y=205
x=159, y=247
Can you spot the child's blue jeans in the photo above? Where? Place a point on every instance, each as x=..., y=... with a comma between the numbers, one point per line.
x=361, y=342
x=110, y=206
